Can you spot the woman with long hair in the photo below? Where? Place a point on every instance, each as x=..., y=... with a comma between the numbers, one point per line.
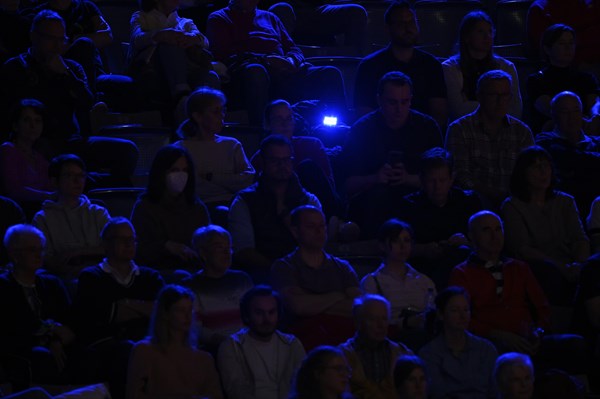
x=475, y=57
x=324, y=374
x=410, y=378
x=168, y=212
x=167, y=363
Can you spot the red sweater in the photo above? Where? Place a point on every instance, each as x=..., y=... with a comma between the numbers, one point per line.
x=510, y=311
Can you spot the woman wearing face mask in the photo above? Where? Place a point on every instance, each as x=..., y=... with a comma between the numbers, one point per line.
x=168, y=213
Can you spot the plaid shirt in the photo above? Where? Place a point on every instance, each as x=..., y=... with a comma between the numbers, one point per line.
x=483, y=161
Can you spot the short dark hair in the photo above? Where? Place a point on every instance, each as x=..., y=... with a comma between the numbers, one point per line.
x=27, y=103
x=436, y=158
x=258, y=291
x=163, y=160
x=443, y=297
x=306, y=383
x=395, y=78
x=44, y=16
x=552, y=34
x=58, y=162
x=269, y=109
x=405, y=365
x=519, y=187
x=494, y=74
x=274, y=140
x=391, y=229
x=297, y=213
x=396, y=5
x=107, y=231
x=202, y=98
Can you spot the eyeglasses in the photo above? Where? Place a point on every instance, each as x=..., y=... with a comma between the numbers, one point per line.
x=340, y=369
x=498, y=96
x=78, y=176
x=125, y=240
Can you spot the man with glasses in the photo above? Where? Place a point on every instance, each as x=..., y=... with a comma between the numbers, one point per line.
x=401, y=55
x=485, y=143
x=112, y=305
x=259, y=215
x=383, y=153
x=71, y=223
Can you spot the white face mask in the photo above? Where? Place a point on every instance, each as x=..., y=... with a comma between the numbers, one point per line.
x=176, y=181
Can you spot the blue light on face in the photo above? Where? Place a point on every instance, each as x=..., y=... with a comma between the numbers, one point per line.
x=330, y=121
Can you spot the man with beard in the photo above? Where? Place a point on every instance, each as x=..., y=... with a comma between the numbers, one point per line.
x=400, y=55
x=259, y=361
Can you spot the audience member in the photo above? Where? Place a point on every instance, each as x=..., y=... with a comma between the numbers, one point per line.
x=586, y=312
x=576, y=155
x=401, y=55
x=222, y=168
x=34, y=308
x=24, y=171
x=259, y=361
x=10, y=214
x=218, y=289
x=514, y=376
x=311, y=162
x=406, y=289
x=370, y=354
x=168, y=213
x=582, y=15
x=259, y=215
x=383, y=152
x=167, y=363
x=438, y=214
x=70, y=223
x=485, y=143
x=317, y=288
x=476, y=57
x=44, y=74
x=460, y=364
x=86, y=33
x=410, y=378
x=324, y=374
x=264, y=62
x=558, y=45
x=323, y=22
x=507, y=303
x=173, y=47
x=112, y=306
x=114, y=299
x=557, y=384
x=543, y=226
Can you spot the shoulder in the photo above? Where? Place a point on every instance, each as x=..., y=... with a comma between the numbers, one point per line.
x=481, y=344
x=366, y=121
x=232, y=141
x=503, y=63
x=373, y=57
x=421, y=118
x=288, y=339
x=91, y=272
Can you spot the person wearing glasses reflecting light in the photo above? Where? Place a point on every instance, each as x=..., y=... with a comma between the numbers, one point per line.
x=486, y=142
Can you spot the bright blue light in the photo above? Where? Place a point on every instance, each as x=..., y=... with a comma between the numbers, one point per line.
x=330, y=120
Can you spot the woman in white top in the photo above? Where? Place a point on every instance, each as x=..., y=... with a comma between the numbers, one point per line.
x=475, y=57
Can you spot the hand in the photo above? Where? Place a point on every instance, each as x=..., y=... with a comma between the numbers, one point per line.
x=513, y=342
x=398, y=175
x=63, y=333
x=170, y=36
x=57, y=350
x=281, y=64
x=458, y=239
x=384, y=174
x=180, y=250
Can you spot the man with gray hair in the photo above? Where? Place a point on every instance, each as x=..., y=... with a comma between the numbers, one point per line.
x=34, y=307
x=576, y=156
x=485, y=143
x=370, y=354
x=514, y=376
